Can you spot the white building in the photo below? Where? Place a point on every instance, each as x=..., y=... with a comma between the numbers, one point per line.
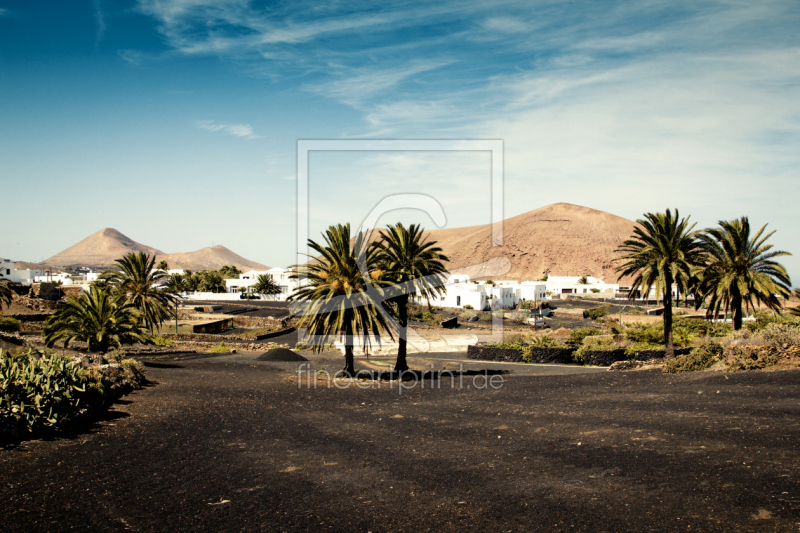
x=246, y=281
x=480, y=295
x=569, y=285
x=25, y=275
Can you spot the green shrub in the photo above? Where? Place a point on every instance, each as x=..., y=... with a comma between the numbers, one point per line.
x=700, y=358
x=764, y=318
x=9, y=324
x=468, y=306
x=547, y=342
x=744, y=358
x=518, y=318
x=576, y=336
x=701, y=328
x=595, y=290
x=432, y=318
x=220, y=348
x=631, y=349
x=133, y=374
x=597, y=312
x=38, y=390
x=163, y=341
x=777, y=335
x=116, y=355
x=645, y=333
x=467, y=314
x=42, y=393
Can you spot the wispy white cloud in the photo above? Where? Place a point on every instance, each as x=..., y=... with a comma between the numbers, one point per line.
x=134, y=57
x=505, y=24
x=355, y=86
x=244, y=131
x=101, y=23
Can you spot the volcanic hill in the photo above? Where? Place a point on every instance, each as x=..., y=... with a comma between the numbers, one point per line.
x=101, y=249
x=559, y=239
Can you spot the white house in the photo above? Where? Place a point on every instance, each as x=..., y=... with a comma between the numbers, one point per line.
x=280, y=276
x=481, y=295
x=570, y=285
x=10, y=272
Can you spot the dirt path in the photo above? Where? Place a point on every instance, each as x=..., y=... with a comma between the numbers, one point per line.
x=220, y=446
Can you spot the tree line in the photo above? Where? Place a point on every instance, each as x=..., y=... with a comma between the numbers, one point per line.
x=361, y=288
x=729, y=267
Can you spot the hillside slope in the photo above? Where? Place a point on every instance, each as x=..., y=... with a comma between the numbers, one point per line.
x=560, y=239
x=101, y=249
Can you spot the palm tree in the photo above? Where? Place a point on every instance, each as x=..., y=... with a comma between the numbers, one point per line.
x=662, y=251
x=175, y=284
x=583, y=280
x=99, y=318
x=229, y=272
x=163, y=266
x=339, y=298
x=740, y=270
x=266, y=285
x=210, y=281
x=415, y=266
x=796, y=310
x=5, y=295
x=137, y=280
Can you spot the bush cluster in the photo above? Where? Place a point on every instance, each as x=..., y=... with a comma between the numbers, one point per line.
x=700, y=358
x=163, y=341
x=467, y=314
x=41, y=392
x=597, y=312
x=631, y=349
x=594, y=345
x=518, y=318
x=9, y=324
x=778, y=335
x=220, y=348
x=743, y=358
x=576, y=336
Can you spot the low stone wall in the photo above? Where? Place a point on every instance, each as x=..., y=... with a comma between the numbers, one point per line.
x=33, y=317
x=604, y=357
x=561, y=356
x=255, y=321
x=209, y=337
x=647, y=355
x=37, y=304
x=12, y=338
x=205, y=346
x=510, y=355
x=486, y=353
x=45, y=291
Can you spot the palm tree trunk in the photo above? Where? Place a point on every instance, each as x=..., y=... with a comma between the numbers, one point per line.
x=736, y=304
x=401, y=364
x=669, y=348
x=349, y=360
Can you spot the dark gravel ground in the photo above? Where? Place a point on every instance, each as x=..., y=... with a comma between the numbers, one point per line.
x=218, y=446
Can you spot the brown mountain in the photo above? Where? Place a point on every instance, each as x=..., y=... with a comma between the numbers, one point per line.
x=559, y=239
x=210, y=259
x=101, y=249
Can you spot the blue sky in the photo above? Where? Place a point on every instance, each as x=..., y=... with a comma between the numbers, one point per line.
x=176, y=122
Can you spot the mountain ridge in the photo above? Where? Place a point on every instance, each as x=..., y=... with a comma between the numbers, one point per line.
x=102, y=248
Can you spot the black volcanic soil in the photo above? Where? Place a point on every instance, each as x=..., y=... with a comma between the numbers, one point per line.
x=229, y=447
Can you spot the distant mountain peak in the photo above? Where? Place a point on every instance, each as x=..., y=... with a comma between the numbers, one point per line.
x=102, y=248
